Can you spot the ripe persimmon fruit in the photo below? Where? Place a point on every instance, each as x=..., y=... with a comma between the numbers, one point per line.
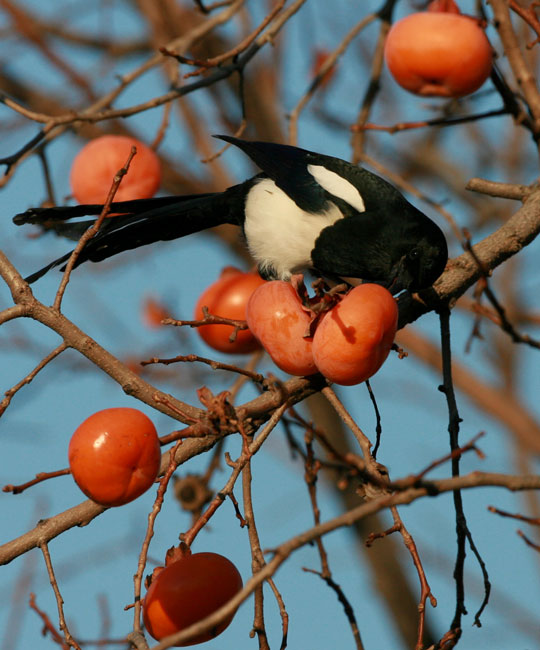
x=354, y=338
x=228, y=298
x=94, y=167
x=439, y=52
x=277, y=318
x=187, y=591
x=350, y=342
x=114, y=455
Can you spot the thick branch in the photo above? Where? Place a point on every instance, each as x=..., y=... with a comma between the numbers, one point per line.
x=463, y=271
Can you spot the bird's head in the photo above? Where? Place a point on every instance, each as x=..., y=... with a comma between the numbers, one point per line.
x=420, y=266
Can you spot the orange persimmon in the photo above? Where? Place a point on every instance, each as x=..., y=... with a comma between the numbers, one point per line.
x=114, y=455
x=94, y=168
x=354, y=338
x=276, y=317
x=228, y=297
x=439, y=52
x=187, y=591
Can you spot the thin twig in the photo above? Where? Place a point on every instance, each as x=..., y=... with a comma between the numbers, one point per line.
x=257, y=558
x=462, y=529
x=347, y=608
x=424, y=585
x=503, y=190
x=520, y=66
x=209, y=319
x=249, y=373
x=233, y=52
x=93, y=230
x=215, y=365
x=70, y=641
x=453, y=429
x=41, y=476
x=378, y=426
x=528, y=541
x=47, y=624
x=534, y=521
x=363, y=440
x=373, y=87
x=312, y=466
x=9, y=394
x=416, y=479
x=529, y=16
x=439, y=122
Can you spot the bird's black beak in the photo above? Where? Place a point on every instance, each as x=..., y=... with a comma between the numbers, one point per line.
x=401, y=277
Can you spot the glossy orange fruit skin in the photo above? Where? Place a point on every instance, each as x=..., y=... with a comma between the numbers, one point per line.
x=187, y=591
x=438, y=53
x=94, y=167
x=114, y=455
x=228, y=298
x=276, y=317
x=353, y=339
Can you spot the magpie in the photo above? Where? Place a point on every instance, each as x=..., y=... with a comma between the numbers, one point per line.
x=304, y=211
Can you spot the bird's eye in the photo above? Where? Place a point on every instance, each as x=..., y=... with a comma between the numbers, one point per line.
x=413, y=255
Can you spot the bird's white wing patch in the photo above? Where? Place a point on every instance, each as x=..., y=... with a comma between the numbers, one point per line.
x=338, y=186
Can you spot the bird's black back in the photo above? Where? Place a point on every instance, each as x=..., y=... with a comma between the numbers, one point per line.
x=288, y=166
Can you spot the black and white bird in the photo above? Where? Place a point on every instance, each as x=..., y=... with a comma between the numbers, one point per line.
x=305, y=211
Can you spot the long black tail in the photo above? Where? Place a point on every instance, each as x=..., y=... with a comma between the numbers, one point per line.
x=139, y=223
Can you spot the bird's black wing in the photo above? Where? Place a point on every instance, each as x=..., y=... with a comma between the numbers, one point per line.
x=287, y=166
x=400, y=250
x=353, y=247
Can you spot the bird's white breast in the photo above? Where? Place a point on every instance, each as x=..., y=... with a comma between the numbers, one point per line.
x=280, y=234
